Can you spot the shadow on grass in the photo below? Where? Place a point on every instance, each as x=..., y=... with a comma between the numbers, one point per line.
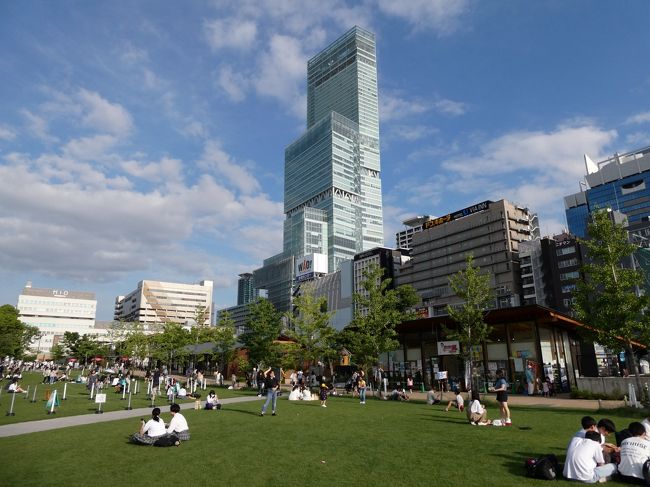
x=241, y=411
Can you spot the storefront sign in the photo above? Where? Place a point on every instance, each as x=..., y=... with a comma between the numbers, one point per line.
x=449, y=348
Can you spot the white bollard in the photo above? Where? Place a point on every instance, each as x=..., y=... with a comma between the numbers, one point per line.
x=34, y=396
x=27, y=392
x=128, y=407
x=135, y=387
x=65, y=391
x=124, y=393
x=204, y=384
x=11, y=409
x=92, y=390
x=148, y=387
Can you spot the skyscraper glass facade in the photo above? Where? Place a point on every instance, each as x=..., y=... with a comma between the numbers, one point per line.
x=335, y=165
x=621, y=183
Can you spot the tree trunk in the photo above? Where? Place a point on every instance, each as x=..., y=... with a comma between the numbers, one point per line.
x=632, y=363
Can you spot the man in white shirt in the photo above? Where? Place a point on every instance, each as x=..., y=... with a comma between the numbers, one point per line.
x=178, y=425
x=646, y=425
x=635, y=451
x=584, y=460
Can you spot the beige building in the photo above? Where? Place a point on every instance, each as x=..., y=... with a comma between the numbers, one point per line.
x=157, y=302
x=490, y=231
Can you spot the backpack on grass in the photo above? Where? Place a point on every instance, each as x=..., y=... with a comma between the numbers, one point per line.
x=166, y=440
x=545, y=467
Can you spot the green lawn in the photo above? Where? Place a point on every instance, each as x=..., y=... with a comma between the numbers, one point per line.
x=78, y=400
x=381, y=443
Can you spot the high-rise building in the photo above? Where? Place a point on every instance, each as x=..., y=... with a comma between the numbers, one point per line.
x=490, y=231
x=156, y=302
x=621, y=183
x=55, y=311
x=245, y=289
x=334, y=167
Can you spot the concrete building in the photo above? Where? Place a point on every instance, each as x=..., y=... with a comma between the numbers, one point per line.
x=55, y=311
x=621, y=183
x=413, y=225
x=334, y=167
x=157, y=302
x=490, y=231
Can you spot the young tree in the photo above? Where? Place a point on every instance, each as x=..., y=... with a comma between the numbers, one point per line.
x=15, y=336
x=378, y=310
x=224, y=339
x=607, y=299
x=309, y=326
x=169, y=345
x=262, y=330
x=473, y=287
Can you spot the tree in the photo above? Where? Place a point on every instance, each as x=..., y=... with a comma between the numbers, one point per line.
x=58, y=352
x=169, y=345
x=15, y=336
x=378, y=310
x=201, y=313
x=607, y=299
x=224, y=339
x=473, y=287
x=309, y=326
x=70, y=342
x=263, y=328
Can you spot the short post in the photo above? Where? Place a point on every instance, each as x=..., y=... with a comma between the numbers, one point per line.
x=204, y=384
x=34, y=396
x=11, y=408
x=148, y=387
x=92, y=391
x=27, y=392
x=153, y=398
x=123, y=393
x=65, y=391
x=53, y=402
x=128, y=407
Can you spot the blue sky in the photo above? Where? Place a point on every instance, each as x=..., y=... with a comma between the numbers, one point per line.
x=145, y=140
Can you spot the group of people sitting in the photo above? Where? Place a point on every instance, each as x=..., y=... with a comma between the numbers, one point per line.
x=300, y=392
x=155, y=432
x=590, y=458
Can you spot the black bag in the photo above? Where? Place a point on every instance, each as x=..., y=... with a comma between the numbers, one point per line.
x=545, y=467
x=166, y=440
x=218, y=405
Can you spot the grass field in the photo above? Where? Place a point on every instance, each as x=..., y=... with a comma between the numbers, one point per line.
x=381, y=443
x=78, y=400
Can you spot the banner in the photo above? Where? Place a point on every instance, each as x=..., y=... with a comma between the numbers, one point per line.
x=449, y=348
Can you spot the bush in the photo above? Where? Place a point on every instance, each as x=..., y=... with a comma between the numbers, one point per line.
x=583, y=394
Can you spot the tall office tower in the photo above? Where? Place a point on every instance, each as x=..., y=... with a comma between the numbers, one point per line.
x=245, y=289
x=334, y=166
x=621, y=183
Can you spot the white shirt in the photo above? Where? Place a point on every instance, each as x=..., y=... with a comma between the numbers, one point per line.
x=177, y=424
x=582, y=458
x=634, y=452
x=460, y=401
x=12, y=387
x=476, y=407
x=154, y=428
x=295, y=395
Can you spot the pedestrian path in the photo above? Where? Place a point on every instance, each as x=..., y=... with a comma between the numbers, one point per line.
x=57, y=423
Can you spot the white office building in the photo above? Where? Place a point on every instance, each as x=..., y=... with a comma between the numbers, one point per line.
x=55, y=311
x=157, y=302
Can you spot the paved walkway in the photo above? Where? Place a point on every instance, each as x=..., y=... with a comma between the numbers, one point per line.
x=56, y=423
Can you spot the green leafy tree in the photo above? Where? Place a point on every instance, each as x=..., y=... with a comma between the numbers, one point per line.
x=224, y=340
x=201, y=314
x=473, y=288
x=70, y=343
x=263, y=328
x=15, y=336
x=309, y=326
x=607, y=299
x=169, y=345
x=136, y=342
x=58, y=352
x=378, y=310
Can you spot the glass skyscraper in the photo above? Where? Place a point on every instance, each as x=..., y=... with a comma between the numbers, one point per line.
x=621, y=183
x=334, y=167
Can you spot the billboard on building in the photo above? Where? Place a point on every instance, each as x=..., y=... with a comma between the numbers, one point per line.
x=311, y=265
x=449, y=348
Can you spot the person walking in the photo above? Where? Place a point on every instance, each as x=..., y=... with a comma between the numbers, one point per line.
x=272, y=385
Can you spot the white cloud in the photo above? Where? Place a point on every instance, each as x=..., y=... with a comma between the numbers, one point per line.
x=643, y=117
x=450, y=107
x=100, y=114
x=89, y=148
x=230, y=33
x=234, y=84
x=411, y=133
x=282, y=71
x=166, y=169
x=393, y=106
x=215, y=158
x=442, y=16
x=6, y=133
x=38, y=127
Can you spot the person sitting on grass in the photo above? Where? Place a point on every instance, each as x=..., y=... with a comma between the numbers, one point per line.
x=585, y=462
x=14, y=388
x=431, y=397
x=399, y=394
x=635, y=452
x=458, y=402
x=477, y=411
x=151, y=430
x=588, y=424
x=212, y=400
x=606, y=427
x=178, y=424
x=295, y=394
